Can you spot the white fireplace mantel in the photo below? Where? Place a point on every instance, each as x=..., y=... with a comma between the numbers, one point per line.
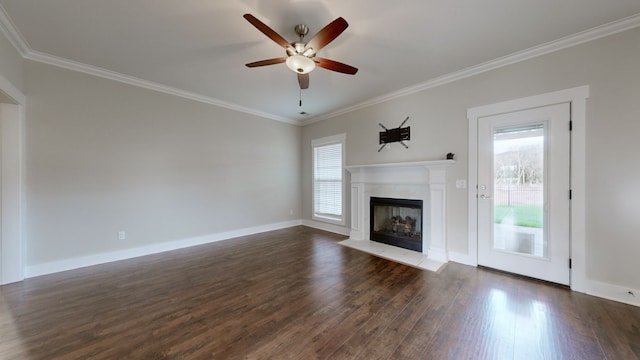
x=420, y=180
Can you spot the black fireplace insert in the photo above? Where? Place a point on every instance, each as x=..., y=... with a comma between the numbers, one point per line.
x=396, y=222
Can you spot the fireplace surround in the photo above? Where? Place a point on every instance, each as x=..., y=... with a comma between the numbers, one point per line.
x=422, y=180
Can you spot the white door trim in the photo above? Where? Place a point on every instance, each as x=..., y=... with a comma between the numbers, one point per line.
x=577, y=98
x=12, y=242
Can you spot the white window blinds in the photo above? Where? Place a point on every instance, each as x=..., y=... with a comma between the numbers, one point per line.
x=327, y=181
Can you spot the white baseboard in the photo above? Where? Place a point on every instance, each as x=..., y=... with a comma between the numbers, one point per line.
x=594, y=288
x=438, y=255
x=613, y=292
x=95, y=259
x=327, y=227
x=461, y=258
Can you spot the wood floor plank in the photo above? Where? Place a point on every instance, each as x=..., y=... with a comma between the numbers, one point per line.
x=335, y=321
x=480, y=322
x=415, y=343
x=297, y=294
x=366, y=336
x=378, y=302
x=617, y=327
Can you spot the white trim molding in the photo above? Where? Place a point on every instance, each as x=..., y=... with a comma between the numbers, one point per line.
x=15, y=37
x=10, y=31
x=8, y=28
x=613, y=292
x=598, y=32
x=150, y=85
x=460, y=258
x=341, y=230
x=102, y=258
x=577, y=98
x=8, y=88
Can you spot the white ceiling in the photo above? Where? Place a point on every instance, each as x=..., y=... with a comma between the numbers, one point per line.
x=199, y=48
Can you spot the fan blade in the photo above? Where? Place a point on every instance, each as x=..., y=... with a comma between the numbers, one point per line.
x=267, y=30
x=303, y=80
x=267, y=62
x=335, y=66
x=327, y=34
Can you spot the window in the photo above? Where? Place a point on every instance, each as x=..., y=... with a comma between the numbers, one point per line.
x=328, y=159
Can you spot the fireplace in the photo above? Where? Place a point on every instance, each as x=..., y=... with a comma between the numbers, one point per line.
x=421, y=180
x=396, y=222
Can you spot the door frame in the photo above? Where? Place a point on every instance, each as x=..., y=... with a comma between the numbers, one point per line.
x=12, y=241
x=552, y=124
x=577, y=98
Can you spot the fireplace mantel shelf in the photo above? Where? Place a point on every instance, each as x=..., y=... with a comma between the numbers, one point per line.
x=429, y=164
x=416, y=172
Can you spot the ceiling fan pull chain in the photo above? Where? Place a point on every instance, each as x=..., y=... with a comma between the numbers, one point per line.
x=300, y=102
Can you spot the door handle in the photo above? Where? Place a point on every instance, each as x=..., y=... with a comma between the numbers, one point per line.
x=483, y=196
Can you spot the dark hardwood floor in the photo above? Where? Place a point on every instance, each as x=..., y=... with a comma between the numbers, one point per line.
x=297, y=294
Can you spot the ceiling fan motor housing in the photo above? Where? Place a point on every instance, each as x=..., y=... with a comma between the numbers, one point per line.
x=302, y=30
x=298, y=48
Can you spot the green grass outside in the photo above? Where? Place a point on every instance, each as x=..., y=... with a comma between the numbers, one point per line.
x=528, y=216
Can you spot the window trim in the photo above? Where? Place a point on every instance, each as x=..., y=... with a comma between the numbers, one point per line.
x=329, y=140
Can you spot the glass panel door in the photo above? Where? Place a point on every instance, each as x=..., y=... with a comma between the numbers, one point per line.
x=523, y=192
x=518, y=190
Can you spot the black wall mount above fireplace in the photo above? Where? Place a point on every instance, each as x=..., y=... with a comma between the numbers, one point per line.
x=396, y=222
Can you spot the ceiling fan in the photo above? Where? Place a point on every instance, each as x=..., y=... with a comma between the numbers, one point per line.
x=301, y=57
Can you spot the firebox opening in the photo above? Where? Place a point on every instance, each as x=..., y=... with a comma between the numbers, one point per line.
x=397, y=222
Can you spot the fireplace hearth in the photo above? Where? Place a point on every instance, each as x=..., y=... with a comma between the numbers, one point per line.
x=396, y=222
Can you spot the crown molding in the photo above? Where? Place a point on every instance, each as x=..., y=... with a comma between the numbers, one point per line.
x=10, y=31
x=8, y=28
x=598, y=32
x=130, y=80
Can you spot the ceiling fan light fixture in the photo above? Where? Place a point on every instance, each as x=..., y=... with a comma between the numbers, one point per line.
x=300, y=64
x=299, y=47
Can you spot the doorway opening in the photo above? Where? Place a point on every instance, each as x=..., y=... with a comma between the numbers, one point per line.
x=11, y=153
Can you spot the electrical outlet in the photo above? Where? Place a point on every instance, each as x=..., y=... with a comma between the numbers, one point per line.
x=122, y=235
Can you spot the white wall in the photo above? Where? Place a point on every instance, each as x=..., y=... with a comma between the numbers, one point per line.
x=103, y=156
x=439, y=125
